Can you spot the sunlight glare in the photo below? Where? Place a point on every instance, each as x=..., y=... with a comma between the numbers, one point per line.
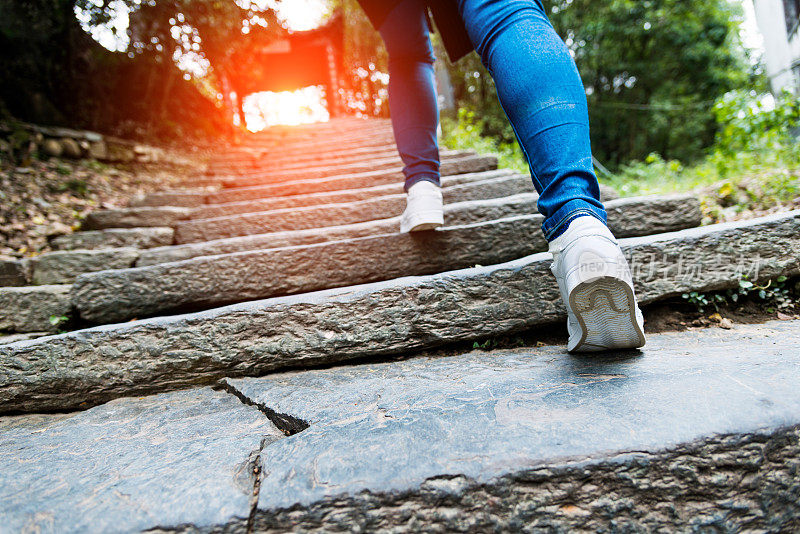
x=302, y=15
x=269, y=108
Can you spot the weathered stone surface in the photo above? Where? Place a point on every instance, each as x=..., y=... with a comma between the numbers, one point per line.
x=28, y=309
x=183, y=199
x=266, y=241
x=474, y=190
x=204, y=282
x=13, y=272
x=132, y=464
x=272, y=240
x=655, y=214
x=71, y=148
x=363, y=179
x=257, y=160
x=322, y=148
x=212, y=281
x=379, y=319
x=13, y=338
x=98, y=150
x=728, y=483
x=135, y=217
x=242, y=194
x=61, y=267
x=264, y=173
x=199, y=230
x=51, y=147
x=454, y=423
x=140, y=238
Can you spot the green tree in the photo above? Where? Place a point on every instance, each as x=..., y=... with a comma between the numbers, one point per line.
x=652, y=71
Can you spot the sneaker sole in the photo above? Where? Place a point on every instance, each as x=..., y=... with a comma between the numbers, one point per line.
x=606, y=310
x=428, y=220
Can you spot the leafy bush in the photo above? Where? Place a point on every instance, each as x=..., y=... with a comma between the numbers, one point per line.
x=752, y=142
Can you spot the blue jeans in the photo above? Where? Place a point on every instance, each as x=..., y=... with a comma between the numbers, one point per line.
x=539, y=89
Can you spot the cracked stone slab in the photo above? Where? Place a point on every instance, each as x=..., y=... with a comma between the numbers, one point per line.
x=297, y=198
x=377, y=320
x=203, y=282
x=135, y=217
x=132, y=464
x=29, y=308
x=382, y=431
x=140, y=238
x=365, y=179
x=63, y=266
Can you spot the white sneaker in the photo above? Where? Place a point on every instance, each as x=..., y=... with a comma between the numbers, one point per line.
x=597, y=288
x=424, y=209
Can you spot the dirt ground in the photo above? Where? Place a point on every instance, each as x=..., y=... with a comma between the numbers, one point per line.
x=51, y=197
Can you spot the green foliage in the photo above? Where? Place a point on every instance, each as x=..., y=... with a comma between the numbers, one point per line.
x=652, y=71
x=58, y=320
x=701, y=301
x=366, y=63
x=776, y=294
x=466, y=133
x=63, y=170
x=751, y=164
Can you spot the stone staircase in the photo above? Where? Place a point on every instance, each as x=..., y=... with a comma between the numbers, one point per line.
x=286, y=258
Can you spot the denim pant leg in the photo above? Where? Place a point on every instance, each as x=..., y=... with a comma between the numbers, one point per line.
x=542, y=94
x=412, y=90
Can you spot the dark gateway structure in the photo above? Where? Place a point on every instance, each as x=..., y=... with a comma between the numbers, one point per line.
x=299, y=59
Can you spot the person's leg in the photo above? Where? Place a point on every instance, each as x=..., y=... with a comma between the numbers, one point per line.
x=541, y=92
x=412, y=91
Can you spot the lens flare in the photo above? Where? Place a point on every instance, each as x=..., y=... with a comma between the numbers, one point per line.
x=269, y=108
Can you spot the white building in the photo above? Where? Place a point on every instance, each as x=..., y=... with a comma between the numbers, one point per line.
x=778, y=23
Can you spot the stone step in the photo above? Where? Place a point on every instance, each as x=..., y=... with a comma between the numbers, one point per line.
x=274, y=139
x=169, y=215
x=156, y=236
x=351, y=181
x=476, y=190
x=686, y=215
x=14, y=272
x=61, y=267
x=311, y=189
x=698, y=431
x=91, y=366
x=30, y=308
x=114, y=296
x=308, y=158
x=195, y=199
x=177, y=198
x=389, y=206
x=328, y=146
x=198, y=443
x=464, y=189
x=288, y=169
x=194, y=231
x=391, y=172
x=135, y=217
